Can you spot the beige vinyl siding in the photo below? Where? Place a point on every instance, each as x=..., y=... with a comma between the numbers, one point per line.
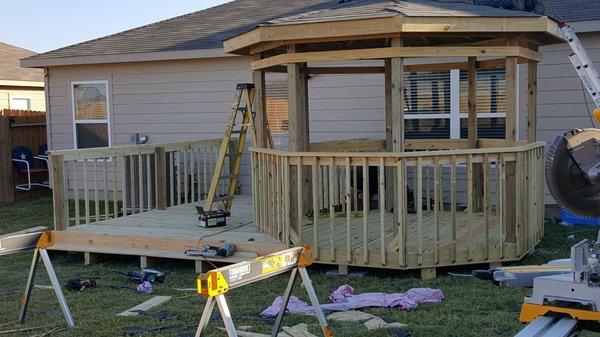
x=169, y=101
x=36, y=97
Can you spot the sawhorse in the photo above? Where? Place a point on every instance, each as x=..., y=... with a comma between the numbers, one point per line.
x=214, y=284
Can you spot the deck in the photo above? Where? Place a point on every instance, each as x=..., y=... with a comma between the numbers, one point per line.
x=168, y=233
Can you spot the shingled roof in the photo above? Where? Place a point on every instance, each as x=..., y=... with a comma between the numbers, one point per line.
x=10, y=68
x=207, y=29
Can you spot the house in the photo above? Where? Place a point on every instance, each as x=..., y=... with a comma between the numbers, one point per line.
x=20, y=88
x=178, y=90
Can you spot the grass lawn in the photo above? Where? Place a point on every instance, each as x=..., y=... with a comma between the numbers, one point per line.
x=471, y=307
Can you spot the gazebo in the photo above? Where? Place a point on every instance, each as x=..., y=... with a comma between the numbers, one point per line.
x=401, y=203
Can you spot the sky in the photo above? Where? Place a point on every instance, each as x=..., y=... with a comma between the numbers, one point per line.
x=43, y=25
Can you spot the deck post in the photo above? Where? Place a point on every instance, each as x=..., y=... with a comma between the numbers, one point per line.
x=511, y=140
x=532, y=79
x=395, y=82
x=60, y=201
x=390, y=193
x=260, y=105
x=161, y=178
x=299, y=134
x=477, y=205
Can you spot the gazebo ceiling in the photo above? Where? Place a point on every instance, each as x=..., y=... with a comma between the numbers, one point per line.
x=367, y=23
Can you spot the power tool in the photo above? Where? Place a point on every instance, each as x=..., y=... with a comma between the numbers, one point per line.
x=228, y=249
x=149, y=275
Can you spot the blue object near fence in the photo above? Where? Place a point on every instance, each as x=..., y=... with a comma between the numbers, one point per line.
x=569, y=218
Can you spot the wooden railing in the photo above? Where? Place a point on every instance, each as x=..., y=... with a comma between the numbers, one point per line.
x=90, y=185
x=467, y=206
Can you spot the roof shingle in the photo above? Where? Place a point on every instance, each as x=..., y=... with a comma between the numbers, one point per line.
x=10, y=68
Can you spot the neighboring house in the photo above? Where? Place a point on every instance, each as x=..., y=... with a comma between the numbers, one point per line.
x=172, y=81
x=20, y=88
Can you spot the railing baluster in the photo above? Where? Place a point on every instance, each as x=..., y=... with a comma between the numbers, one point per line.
x=198, y=170
x=366, y=206
x=115, y=197
x=171, y=168
x=106, y=190
x=299, y=202
x=140, y=166
x=348, y=200
x=124, y=185
x=287, y=201
x=381, y=198
x=486, y=203
x=331, y=209
x=205, y=172
x=178, y=174
x=419, y=206
x=470, y=208
x=437, y=204
x=277, y=197
x=355, y=189
x=501, y=211
x=149, y=181
x=86, y=192
x=132, y=200
x=401, y=207
x=192, y=171
x=185, y=177
x=76, y=190
x=315, y=204
x=428, y=188
x=453, y=209
x=96, y=194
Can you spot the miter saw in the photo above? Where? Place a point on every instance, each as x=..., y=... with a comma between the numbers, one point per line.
x=573, y=164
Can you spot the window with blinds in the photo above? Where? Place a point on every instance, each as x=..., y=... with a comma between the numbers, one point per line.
x=427, y=105
x=491, y=103
x=277, y=106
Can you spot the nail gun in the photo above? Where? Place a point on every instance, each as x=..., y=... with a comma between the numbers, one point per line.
x=228, y=249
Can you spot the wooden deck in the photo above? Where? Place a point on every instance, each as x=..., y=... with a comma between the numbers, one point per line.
x=168, y=233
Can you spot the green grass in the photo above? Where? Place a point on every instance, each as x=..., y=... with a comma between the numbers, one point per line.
x=471, y=307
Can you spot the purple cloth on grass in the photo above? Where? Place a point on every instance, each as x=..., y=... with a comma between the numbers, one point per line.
x=343, y=299
x=145, y=288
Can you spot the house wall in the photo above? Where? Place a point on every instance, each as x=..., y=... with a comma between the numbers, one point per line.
x=38, y=100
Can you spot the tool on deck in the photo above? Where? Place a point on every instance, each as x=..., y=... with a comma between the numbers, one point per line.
x=226, y=250
x=216, y=283
x=43, y=240
x=560, y=304
x=573, y=164
x=218, y=207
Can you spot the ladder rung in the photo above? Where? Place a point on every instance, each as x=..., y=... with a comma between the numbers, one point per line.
x=236, y=132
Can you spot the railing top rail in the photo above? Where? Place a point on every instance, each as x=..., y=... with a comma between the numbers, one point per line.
x=414, y=154
x=125, y=150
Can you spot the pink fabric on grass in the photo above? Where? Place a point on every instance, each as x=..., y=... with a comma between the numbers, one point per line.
x=343, y=299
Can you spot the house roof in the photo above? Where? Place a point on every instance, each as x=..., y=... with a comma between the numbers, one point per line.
x=207, y=29
x=10, y=68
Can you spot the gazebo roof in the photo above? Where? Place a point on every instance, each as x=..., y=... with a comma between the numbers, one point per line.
x=365, y=19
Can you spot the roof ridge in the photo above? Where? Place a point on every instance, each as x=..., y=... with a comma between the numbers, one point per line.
x=136, y=28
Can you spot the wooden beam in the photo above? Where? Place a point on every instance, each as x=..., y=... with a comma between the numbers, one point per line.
x=364, y=28
x=260, y=106
x=60, y=200
x=472, y=101
x=161, y=178
x=397, y=98
x=532, y=102
x=511, y=101
x=394, y=52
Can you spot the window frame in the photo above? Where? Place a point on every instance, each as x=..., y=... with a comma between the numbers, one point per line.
x=455, y=116
x=13, y=99
x=106, y=121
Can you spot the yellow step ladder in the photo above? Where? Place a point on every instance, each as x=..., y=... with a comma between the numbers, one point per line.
x=218, y=207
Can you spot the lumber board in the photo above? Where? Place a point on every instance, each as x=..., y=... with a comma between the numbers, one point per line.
x=145, y=306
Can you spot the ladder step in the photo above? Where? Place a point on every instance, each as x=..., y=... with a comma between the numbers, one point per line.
x=236, y=132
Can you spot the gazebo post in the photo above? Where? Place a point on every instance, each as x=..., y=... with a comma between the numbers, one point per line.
x=260, y=105
x=511, y=140
x=299, y=135
x=477, y=197
x=390, y=194
x=532, y=101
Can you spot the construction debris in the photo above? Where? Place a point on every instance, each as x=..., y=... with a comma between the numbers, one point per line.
x=371, y=322
x=151, y=303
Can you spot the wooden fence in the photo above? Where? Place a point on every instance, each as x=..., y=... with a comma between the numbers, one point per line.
x=90, y=185
x=18, y=128
x=328, y=201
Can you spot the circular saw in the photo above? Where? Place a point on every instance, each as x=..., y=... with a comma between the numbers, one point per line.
x=573, y=171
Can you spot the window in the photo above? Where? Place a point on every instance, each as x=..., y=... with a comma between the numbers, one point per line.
x=91, y=124
x=17, y=103
x=436, y=104
x=277, y=106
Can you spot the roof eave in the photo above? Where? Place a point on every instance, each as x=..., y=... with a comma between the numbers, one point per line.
x=41, y=62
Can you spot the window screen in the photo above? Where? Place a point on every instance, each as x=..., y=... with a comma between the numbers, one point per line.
x=277, y=106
